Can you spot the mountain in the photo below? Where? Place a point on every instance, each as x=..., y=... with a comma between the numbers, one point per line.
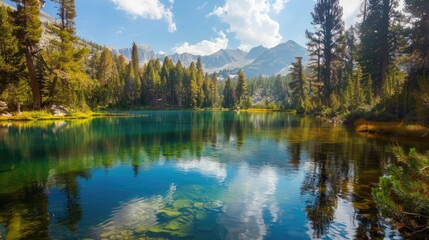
x=44, y=17
x=256, y=52
x=185, y=58
x=275, y=60
x=222, y=58
x=146, y=53
x=258, y=61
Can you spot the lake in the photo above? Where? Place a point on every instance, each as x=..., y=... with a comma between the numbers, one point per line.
x=191, y=175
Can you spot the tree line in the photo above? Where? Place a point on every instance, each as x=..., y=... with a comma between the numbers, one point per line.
x=378, y=66
x=60, y=68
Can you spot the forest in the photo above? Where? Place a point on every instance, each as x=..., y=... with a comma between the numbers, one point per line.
x=376, y=69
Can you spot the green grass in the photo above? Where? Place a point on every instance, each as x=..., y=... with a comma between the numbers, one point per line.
x=46, y=115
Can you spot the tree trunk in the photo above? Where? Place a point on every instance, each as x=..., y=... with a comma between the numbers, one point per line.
x=35, y=87
x=52, y=91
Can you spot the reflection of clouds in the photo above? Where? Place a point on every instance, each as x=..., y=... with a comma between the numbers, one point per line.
x=343, y=226
x=249, y=195
x=205, y=166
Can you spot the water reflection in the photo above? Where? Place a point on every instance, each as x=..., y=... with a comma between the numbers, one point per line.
x=170, y=174
x=249, y=195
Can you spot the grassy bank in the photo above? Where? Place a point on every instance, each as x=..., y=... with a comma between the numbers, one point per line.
x=46, y=115
x=392, y=128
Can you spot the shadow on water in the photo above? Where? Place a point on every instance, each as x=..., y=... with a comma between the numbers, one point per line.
x=171, y=174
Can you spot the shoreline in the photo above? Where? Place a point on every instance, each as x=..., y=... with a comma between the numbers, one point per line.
x=398, y=129
x=43, y=116
x=29, y=116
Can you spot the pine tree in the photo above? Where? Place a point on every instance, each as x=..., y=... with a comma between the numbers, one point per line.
x=314, y=47
x=241, y=88
x=327, y=41
x=403, y=194
x=105, y=68
x=135, y=59
x=178, y=83
x=29, y=32
x=351, y=50
x=299, y=86
x=379, y=40
x=229, y=96
x=67, y=61
x=11, y=61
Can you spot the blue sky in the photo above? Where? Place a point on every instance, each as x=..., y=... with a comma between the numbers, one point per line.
x=196, y=26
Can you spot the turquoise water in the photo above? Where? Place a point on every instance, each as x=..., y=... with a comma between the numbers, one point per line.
x=191, y=175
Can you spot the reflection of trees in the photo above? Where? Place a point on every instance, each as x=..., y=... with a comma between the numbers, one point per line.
x=339, y=165
x=24, y=211
x=295, y=154
x=70, y=187
x=324, y=183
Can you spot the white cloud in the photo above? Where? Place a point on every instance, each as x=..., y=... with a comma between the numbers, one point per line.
x=351, y=10
x=278, y=5
x=205, y=47
x=251, y=22
x=148, y=9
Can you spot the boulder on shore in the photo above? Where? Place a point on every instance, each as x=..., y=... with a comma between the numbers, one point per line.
x=3, y=107
x=58, y=110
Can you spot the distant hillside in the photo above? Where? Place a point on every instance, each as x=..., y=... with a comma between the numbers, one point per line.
x=273, y=61
x=146, y=53
x=258, y=61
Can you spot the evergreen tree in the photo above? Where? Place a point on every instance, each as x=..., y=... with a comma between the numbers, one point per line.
x=314, y=47
x=379, y=40
x=178, y=84
x=135, y=59
x=299, y=86
x=134, y=77
x=66, y=61
x=418, y=50
x=29, y=32
x=403, y=194
x=241, y=87
x=193, y=86
x=105, y=68
x=229, y=96
x=327, y=41
x=11, y=61
x=200, y=82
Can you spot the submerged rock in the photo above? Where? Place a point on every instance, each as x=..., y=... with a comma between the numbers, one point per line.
x=169, y=213
x=182, y=203
x=198, y=205
x=172, y=225
x=213, y=206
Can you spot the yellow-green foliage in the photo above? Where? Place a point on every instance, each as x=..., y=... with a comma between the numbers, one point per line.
x=46, y=115
x=393, y=128
x=403, y=195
